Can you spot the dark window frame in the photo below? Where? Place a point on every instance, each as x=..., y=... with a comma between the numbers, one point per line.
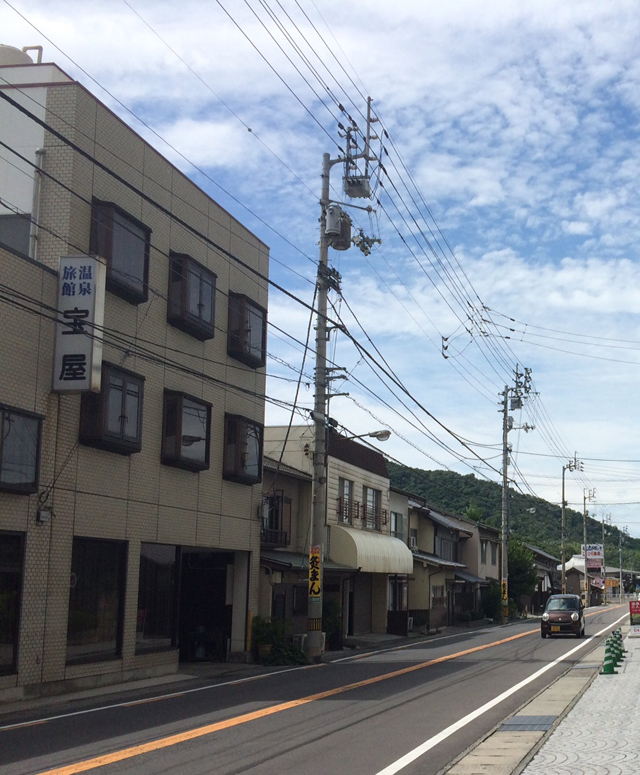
x=183, y=269
x=13, y=616
x=106, y=219
x=94, y=414
x=236, y=434
x=31, y=486
x=239, y=338
x=174, y=454
x=157, y=612
x=86, y=606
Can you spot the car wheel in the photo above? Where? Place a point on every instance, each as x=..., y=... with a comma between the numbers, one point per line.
x=543, y=634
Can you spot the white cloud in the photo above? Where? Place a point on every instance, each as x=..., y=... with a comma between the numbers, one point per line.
x=518, y=121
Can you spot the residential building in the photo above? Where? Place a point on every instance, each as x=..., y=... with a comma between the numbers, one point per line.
x=549, y=581
x=455, y=560
x=284, y=553
x=365, y=567
x=131, y=461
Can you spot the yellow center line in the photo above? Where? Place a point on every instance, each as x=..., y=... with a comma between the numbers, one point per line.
x=183, y=737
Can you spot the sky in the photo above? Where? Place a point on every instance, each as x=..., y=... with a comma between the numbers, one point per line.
x=505, y=208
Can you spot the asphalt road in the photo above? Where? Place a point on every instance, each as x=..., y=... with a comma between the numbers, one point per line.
x=359, y=715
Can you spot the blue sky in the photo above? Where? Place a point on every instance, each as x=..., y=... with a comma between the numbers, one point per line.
x=509, y=206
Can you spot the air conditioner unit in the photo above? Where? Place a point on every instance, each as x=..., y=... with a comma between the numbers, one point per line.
x=413, y=542
x=410, y=623
x=300, y=640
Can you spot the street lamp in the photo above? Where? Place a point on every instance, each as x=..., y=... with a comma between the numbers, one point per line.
x=572, y=465
x=381, y=435
x=587, y=495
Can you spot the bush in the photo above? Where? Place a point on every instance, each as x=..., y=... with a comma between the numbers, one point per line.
x=269, y=644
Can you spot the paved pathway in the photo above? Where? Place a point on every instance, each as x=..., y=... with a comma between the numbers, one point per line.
x=601, y=733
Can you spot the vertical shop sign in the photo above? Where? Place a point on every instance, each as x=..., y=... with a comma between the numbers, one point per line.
x=77, y=361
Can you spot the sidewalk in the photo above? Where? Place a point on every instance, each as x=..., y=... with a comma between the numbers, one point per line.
x=585, y=723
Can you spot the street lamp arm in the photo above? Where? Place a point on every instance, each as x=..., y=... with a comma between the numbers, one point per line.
x=381, y=435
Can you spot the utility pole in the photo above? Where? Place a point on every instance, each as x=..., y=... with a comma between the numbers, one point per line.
x=520, y=390
x=620, y=536
x=606, y=519
x=335, y=232
x=572, y=465
x=587, y=495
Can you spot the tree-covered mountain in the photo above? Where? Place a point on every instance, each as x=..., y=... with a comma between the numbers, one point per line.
x=533, y=520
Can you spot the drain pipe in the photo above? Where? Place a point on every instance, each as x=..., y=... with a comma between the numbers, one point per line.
x=35, y=205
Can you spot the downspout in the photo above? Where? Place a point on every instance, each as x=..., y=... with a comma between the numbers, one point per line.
x=439, y=570
x=35, y=205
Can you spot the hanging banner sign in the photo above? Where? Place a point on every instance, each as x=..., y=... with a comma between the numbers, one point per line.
x=77, y=362
x=504, y=591
x=315, y=572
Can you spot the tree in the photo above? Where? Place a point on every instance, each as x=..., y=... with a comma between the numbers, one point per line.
x=522, y=573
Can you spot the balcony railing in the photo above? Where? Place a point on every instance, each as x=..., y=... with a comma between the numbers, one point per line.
x=350, y=511
x=374, y=519
x=274, y=538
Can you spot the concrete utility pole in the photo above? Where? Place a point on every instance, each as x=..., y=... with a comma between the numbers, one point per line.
x=572, y=465
x=620, y=537
x=520, y=390
x=335, y=231
x=588, y=495
x=606, y=520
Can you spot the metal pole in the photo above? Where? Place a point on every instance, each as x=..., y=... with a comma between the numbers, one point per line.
x=564, y=554
x=584, y=546
x=319, y=508
x=505, y=509
x=620, y=561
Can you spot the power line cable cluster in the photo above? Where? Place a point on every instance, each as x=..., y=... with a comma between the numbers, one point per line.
x=409, y=218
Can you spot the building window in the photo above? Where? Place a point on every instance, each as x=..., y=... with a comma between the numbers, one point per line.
x=242, y=450
x=413, y=538
x=157, y=590
x=494, y=553
x=348, y=509
x=124, y=243
x=373, y=515
x=397, y=521
x=247, y=334
x=19, y=450
x=192, y=289
x=11, y=563
x=483, y=552
x=96, y=600
x=446, y=544
x=112, y=419
x=276, y=519
x=185, y=432
x=300, y=599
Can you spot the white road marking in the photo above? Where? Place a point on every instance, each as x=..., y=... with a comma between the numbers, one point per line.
x=416, y=753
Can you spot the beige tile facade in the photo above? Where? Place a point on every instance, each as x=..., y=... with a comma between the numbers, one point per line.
x=97, y=494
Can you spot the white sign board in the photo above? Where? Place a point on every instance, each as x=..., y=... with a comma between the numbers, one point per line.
x=77, y=363
x=594, y=551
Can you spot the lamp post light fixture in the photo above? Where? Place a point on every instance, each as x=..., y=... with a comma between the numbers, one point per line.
x=572, y=465
x=381, y=435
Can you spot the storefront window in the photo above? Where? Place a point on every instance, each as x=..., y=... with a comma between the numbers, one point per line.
x=96, y=600
x=156, y=625
x=11, y=553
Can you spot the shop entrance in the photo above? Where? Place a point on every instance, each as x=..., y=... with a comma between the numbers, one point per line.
x=204, y=625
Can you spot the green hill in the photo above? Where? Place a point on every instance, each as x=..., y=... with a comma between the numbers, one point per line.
x=533, y=520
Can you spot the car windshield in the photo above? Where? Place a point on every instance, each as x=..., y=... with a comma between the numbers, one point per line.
x=562, y=604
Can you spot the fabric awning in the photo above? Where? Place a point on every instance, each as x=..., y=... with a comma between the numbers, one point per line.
x=369, y=551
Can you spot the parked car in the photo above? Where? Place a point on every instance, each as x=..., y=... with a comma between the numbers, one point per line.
x=563, y=615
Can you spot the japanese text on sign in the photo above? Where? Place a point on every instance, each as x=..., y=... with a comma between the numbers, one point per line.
x=315, y=572
x=78, y=353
